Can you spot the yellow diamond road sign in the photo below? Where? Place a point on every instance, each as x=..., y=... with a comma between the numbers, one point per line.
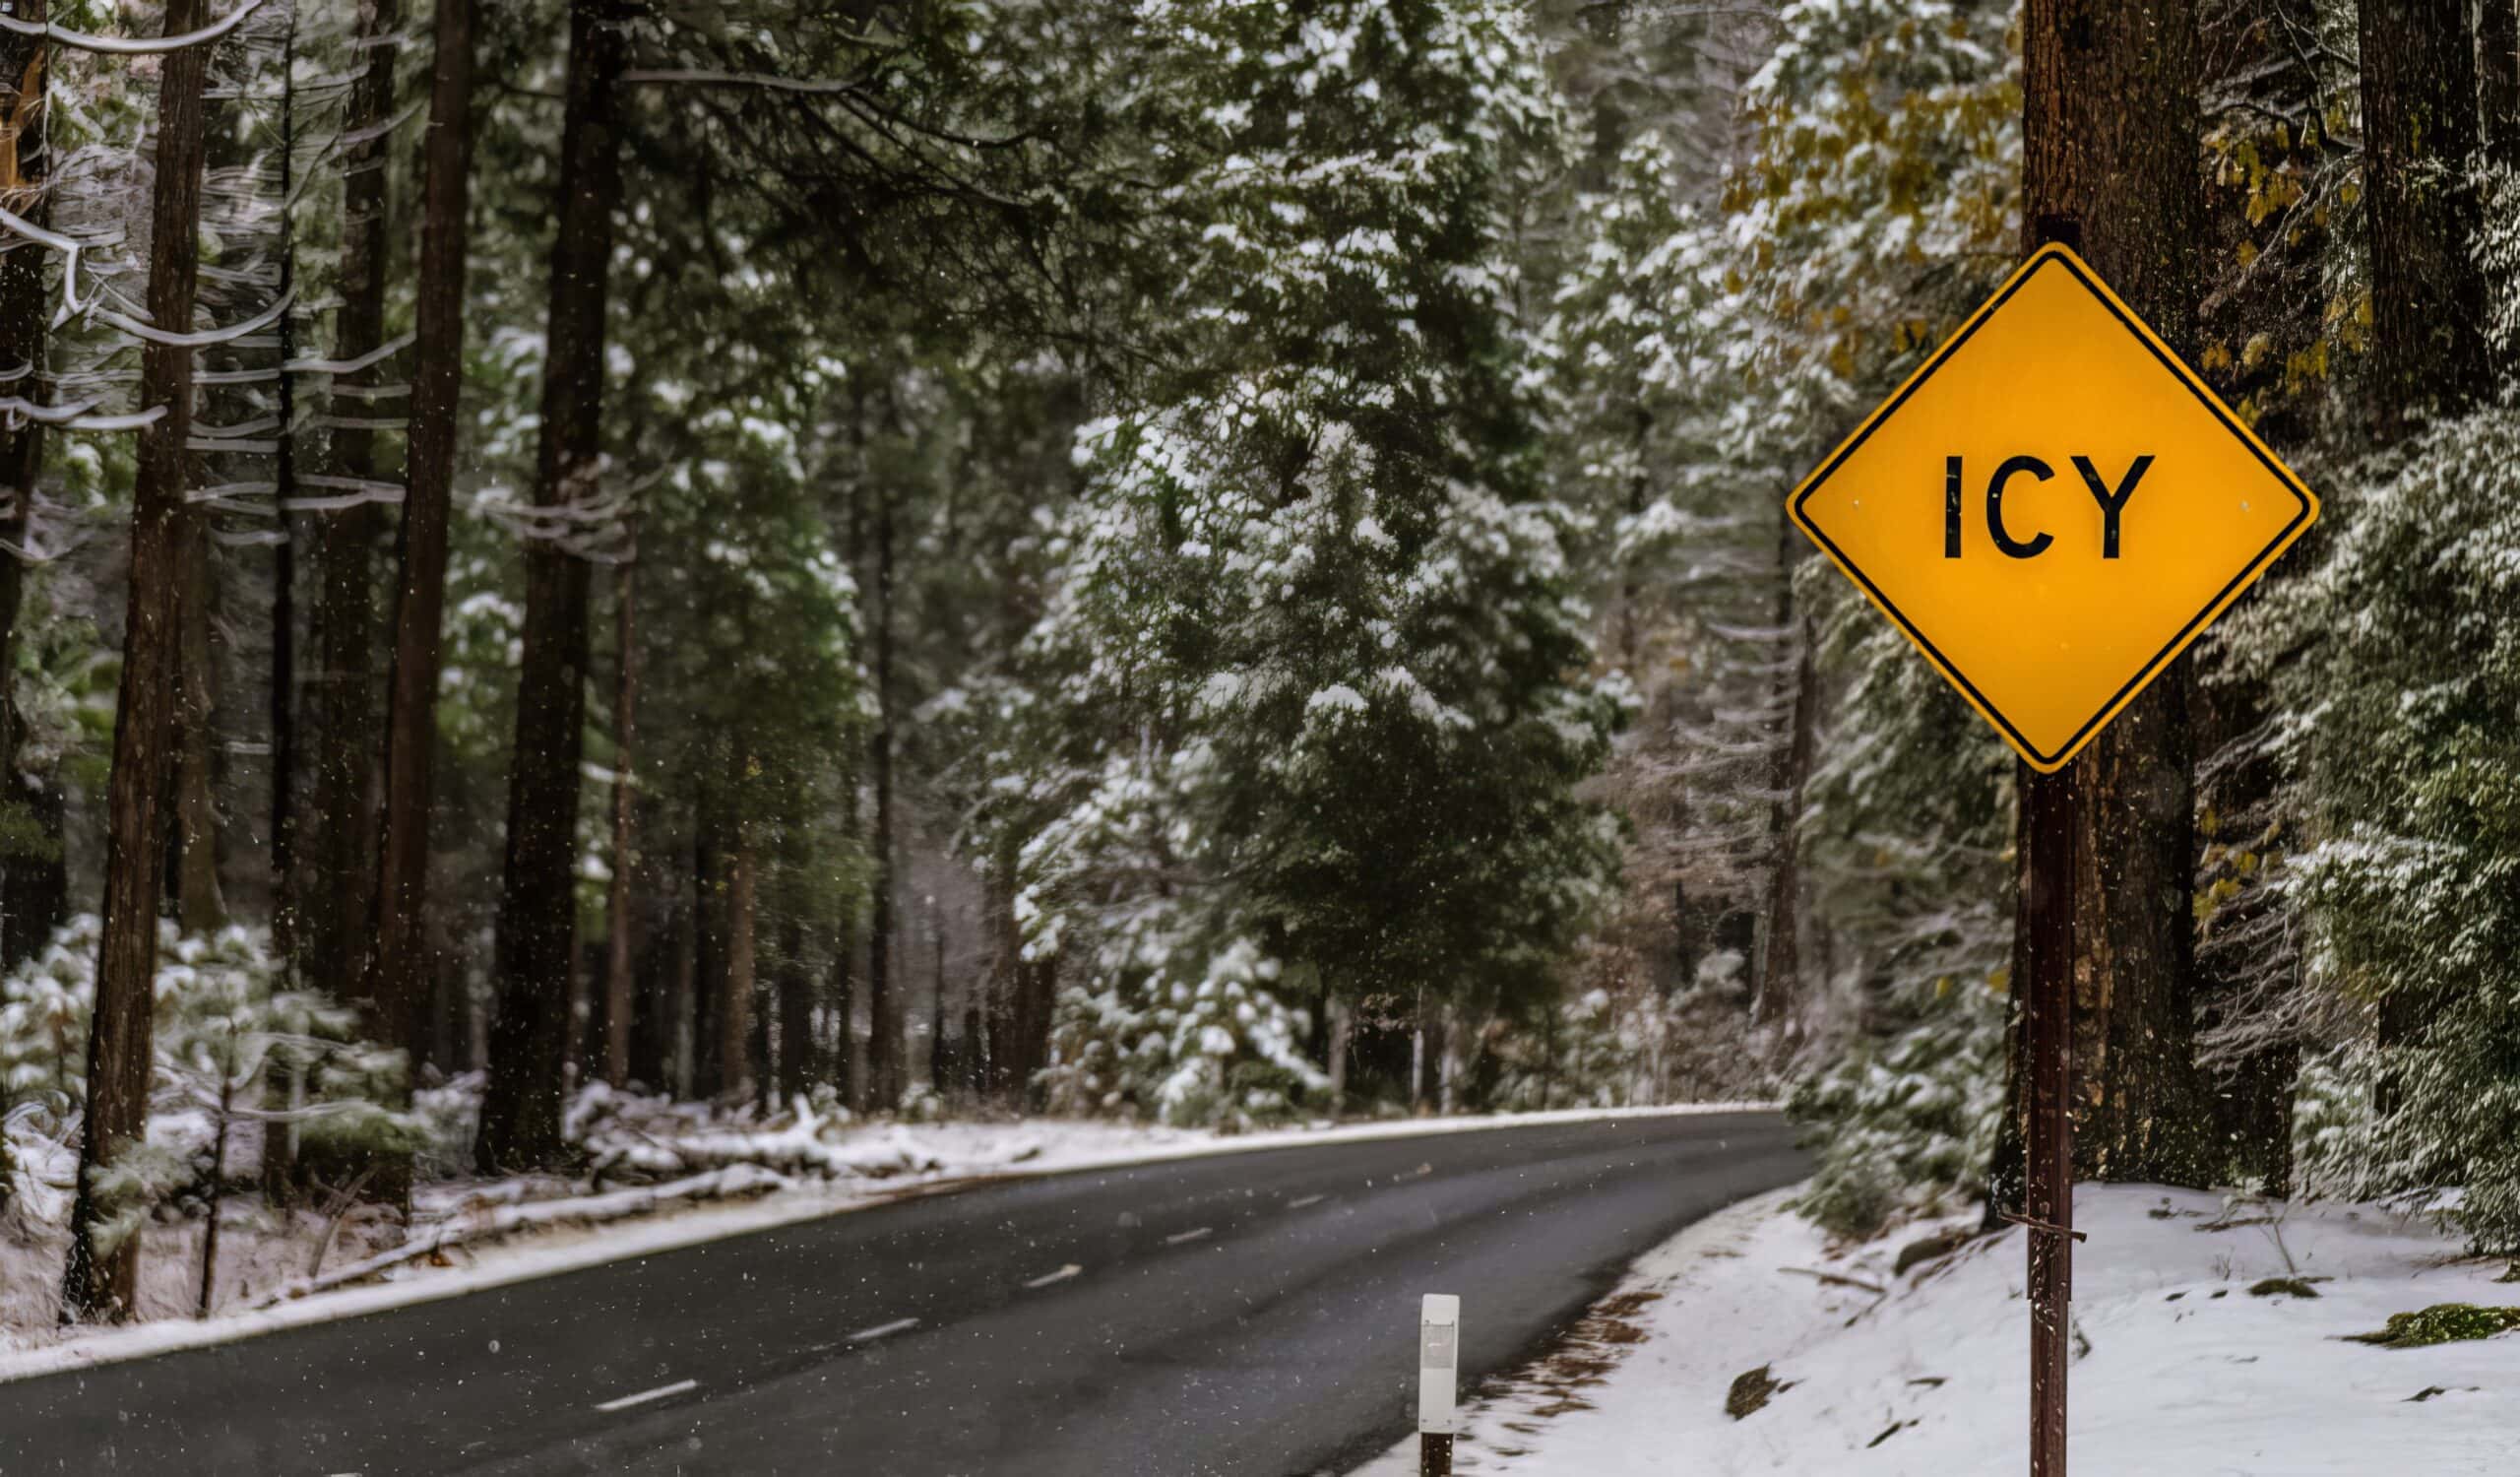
x=2052, y=507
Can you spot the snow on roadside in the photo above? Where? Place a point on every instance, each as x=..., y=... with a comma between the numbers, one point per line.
x=728, y=1179
x=2187, y=1369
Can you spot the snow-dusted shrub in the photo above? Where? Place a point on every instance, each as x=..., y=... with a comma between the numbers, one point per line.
x=1906, y=1126
x=2396, y=665
x=225, y=1038
x=1581, y=1053
x=447, y=1115
x=2336, y=1150
x=1221, y=1048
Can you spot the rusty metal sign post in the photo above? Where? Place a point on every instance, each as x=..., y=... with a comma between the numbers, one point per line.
x=2051, y=510
x=2047, y=1137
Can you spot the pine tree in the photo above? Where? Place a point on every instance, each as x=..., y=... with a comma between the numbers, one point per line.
x=1316, y=616
x=396, y=982
x=2404, y=765
x=101, y=1278
x=537, y=904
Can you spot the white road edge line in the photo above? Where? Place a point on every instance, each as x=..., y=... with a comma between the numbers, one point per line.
x=1175, y=1240
x=883, y=1331
x=1306, y=1200
x=1061, y=1275
x=645, y=1395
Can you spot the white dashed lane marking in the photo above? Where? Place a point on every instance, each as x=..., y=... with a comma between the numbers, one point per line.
x=645, y=1395
x=883, y=1331
x=1179, y=1237
x=1061, y=1275
x=1306, y=1200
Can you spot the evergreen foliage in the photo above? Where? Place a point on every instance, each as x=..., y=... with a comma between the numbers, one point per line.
x=1315, y=607
x=2397, y=701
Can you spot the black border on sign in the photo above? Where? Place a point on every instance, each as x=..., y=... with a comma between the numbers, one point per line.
x=2307, y=509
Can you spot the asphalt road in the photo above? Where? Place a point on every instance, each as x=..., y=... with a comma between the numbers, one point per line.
x=1242, y=1313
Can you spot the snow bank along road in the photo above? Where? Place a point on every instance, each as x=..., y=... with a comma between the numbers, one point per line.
x=1238, y=1313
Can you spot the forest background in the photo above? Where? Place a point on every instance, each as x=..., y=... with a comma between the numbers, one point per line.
x=1213, y=562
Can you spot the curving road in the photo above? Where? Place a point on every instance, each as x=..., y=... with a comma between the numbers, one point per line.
x=1252, y=1315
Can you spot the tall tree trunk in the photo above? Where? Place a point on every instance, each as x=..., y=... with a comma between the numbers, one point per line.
x=34, y=882
x=884, y=1049
x=797, y=1053
x=1002, y=1085
x=1036, y=1008
x=199, y=905
x=346, y=843
x=684, y=1052
x=652, y=1021
x=841, y=1070
x=2419, y=78
x=850, y=1069
x=2420, y=124
x=1780, y=969
x=708, y=948
x=2499, y=79
x=282, y=850
x=734, y=1030
x=398, y=985
x=101, y=1277
x=619, y=996
x=940, y=1052
x=537, y=903
x=1341, y=1030
x=2109, y=150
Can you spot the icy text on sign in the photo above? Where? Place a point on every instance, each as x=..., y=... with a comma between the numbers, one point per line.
x=2052, y=507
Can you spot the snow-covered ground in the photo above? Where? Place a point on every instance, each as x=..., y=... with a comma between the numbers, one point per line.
x=691, y=1177
x=2192, y=1367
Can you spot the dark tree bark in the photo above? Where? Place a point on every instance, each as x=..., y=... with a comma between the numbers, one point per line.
x=652, y=1022
x=884, y=1049
x=199, y=906
x=1036, y=982
x=101, y=1279
x=34, y=885
x=942, y=1063
x=841, y=1068
x=2110, y=168
x=397, y=985
x=686, y=1009
x=2418, y=76
x=1004, y=1083
x=2428, y=355
x=343, y=840
x=618, y=993
x=283, y=852
x=537, y=905
x=734, y=1029
x=2499, y=79
x=1780, y=970
x=797, y=1055
x=708, y=947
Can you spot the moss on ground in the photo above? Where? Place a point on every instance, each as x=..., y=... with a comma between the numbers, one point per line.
x=2441, y=1323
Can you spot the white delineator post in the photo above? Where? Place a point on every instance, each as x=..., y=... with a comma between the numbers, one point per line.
x=1439, y=1365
